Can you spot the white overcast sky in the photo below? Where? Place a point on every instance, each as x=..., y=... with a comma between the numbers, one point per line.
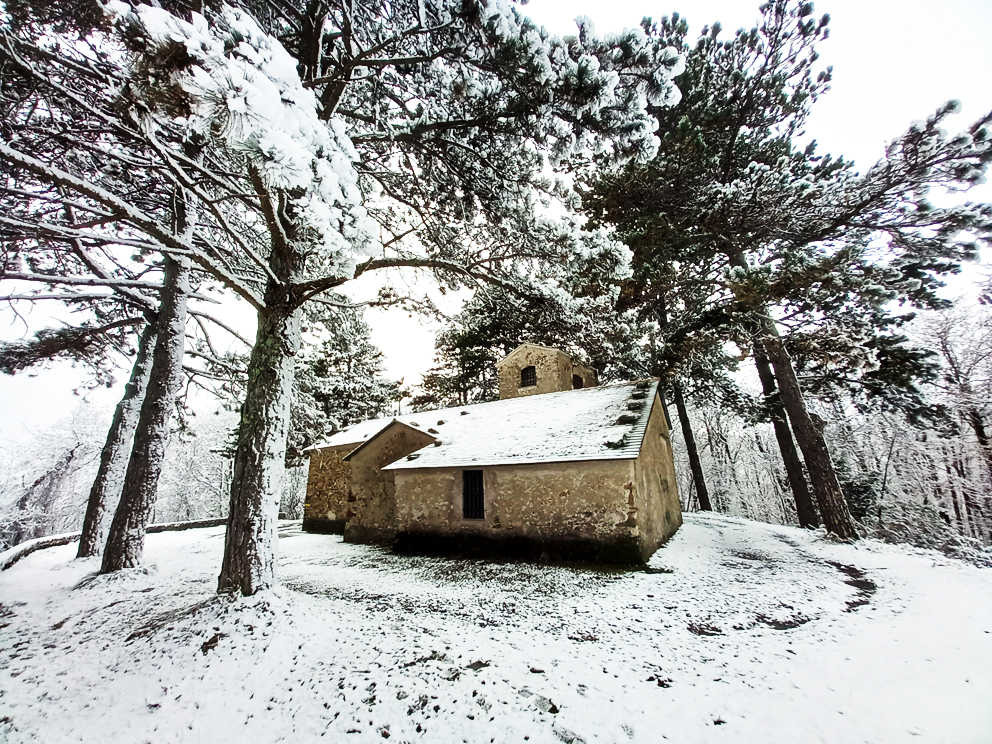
x=894, y=62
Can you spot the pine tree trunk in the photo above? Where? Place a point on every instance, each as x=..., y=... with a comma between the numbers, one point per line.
x=108, y=484
x=259, y=469
x=833, y=507
x=664, y=410
x=823, y=477
x=981, y=433
x=695, y=466
x=126, y=541
x=250, y=544
x=805, y=509
x=690, y=447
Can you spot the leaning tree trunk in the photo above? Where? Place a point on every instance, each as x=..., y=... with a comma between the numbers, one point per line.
x=690, y=447
x=126, y=541
x=790, y=457
x=259, y=465
x=977, y=423
x=695, y=466
x=41, y=493
x=114, y=457
x=833, y=507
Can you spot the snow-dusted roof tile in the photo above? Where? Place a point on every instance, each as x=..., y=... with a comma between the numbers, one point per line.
x=356, y=434
x=597, y=423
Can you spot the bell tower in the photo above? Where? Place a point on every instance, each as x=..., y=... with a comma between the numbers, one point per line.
x=531, y=369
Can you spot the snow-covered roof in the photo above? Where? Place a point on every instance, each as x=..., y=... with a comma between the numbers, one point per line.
x=359, y=433
x=597, y=423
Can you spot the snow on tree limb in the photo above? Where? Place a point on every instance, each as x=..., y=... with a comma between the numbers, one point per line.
x=243, y=93
x=168, y=242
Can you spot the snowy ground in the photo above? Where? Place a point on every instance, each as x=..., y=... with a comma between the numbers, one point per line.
x=740, y=632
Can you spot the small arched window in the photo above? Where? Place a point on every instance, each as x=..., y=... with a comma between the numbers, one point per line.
x=576, y=382
x=528, y=376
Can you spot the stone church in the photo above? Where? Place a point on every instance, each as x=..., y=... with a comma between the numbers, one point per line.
x=558, y=468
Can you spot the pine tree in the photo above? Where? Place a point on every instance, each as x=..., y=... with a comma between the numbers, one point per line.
x=338, y=379
x=361, y=138
x=775, y=236
x=114, y=456
x=61, y=116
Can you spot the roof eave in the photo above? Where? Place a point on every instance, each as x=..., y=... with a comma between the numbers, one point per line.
x=382, y=431
x=512, y=463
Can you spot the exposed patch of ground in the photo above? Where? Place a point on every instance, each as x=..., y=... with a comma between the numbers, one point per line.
x=856, y=578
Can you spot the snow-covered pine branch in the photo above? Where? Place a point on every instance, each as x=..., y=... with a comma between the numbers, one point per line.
x=299, y=143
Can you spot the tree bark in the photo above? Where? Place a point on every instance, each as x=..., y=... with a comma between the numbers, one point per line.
x=259, y=465
x=690, y=446
x=823, y=477
x=126, y=541
x=664, y=410
x=805, y=509
x=981, y=433
x=250, y=545
x=695, y=466
x=833, y=507
x=114, y=458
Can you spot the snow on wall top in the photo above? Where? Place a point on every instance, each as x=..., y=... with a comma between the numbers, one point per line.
x=532, y=346
x=360, y=433
x=598, y=423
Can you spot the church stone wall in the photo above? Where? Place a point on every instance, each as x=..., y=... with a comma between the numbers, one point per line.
x=328, y=486
x=554, y=372
x=657, y=492
x=557, y=511
x=587, y=375
x=371, y=518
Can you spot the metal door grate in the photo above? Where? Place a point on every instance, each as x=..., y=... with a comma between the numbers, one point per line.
x=473, y=498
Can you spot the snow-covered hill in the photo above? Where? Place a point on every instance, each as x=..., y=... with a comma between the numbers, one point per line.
x=739, y=632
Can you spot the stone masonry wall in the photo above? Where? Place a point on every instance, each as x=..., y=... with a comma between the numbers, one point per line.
x=587, y=375
x=328, y=486
x=554, y=372
x=372, y=517
x=657, y=492
x=558, y=511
